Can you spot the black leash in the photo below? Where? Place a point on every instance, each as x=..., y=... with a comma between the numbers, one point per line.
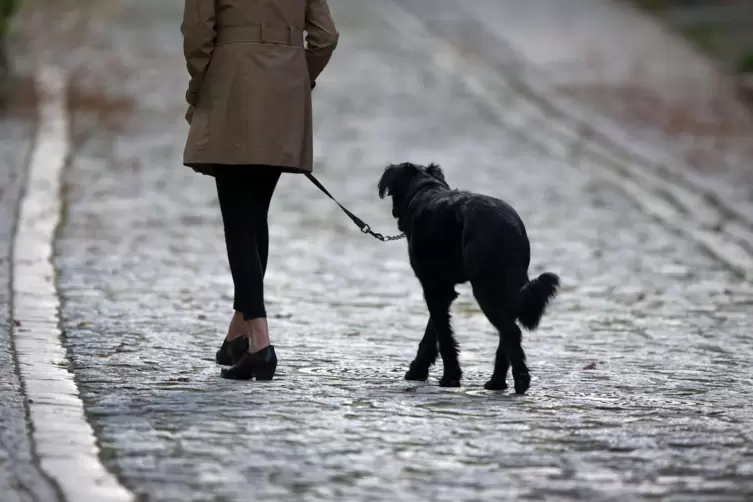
x=358, y=221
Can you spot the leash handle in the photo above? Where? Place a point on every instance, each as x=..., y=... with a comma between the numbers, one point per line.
x=362, y=225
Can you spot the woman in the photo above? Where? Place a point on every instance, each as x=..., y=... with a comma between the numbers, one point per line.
x=249, y=110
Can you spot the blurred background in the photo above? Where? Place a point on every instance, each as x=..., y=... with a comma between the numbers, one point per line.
x=720, y=29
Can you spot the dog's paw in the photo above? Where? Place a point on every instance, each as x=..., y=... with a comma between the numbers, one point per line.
x=498, y=384
x=522, y=383
x=446, y=381
x=417, y=374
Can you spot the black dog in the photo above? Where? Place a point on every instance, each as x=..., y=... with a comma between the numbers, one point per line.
x=455, y=237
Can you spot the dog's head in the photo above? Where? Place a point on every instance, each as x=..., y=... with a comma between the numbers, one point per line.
x=403, y=181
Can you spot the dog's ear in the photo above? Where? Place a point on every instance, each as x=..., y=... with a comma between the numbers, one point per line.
x=435, y=171
x=387, y=180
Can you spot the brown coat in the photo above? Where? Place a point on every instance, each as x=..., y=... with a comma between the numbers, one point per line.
x=249, y=93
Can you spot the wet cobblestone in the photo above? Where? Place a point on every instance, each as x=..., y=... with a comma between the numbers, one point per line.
x=663, y=411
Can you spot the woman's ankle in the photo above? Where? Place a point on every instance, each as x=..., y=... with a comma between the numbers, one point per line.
x=258, y=334
x=238, y=327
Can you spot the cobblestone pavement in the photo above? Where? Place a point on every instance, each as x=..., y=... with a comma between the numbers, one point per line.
x=20, y=478
x=663, y=411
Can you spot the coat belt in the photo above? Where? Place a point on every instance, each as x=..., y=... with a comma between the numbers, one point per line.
x=268, y=33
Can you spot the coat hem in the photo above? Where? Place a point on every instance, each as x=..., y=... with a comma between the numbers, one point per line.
x=208, y=169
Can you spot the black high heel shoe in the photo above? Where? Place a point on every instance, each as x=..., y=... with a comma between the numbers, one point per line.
x=261, y=365
x=232, y=351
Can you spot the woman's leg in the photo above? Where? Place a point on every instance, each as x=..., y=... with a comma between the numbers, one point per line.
x=245, y=194
x=266, y=182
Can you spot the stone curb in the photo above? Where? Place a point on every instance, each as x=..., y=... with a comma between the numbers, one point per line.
x=63, y=439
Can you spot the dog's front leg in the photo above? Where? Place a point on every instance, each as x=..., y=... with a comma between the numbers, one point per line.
x=439, y=298
x=426, y=355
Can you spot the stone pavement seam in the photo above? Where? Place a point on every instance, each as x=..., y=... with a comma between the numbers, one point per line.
x=63, y=439
x=603, y=162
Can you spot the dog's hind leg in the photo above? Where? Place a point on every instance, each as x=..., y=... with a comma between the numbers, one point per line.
x=490, y=308
x=425, y=357
x=512, y=337
x=439, y=298
x=498, y=381
x=510, y=350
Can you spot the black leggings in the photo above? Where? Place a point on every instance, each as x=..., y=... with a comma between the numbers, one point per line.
x=245, y=193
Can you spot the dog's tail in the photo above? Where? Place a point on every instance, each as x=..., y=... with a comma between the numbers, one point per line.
x=534, y=298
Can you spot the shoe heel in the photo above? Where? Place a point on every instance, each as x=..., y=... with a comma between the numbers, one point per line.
x=266, y=372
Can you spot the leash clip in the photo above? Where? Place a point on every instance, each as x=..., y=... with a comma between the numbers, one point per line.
x=366, y=229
